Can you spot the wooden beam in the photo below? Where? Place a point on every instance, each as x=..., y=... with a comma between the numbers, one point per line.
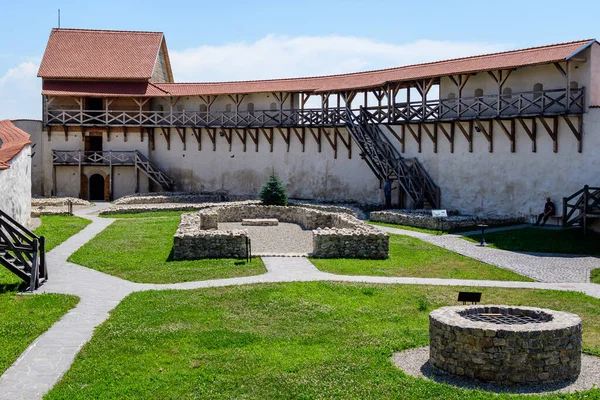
x=254, y=137
x=167, y=134
x=243, y=136
x=212, y=135
x=332, y=142
x=433, y=135
x=448, y=135
x=393, y=132
x=317, y=137
x=107, y=133
x=510, y=133
x=181, y=133
x=285, y=134
x=151, y=137
x=49, y=128
x=417, y=135
x=532, y=133
x=487, y=133
x=268, y=132
x=576, y=131
x=301, y=135
x=552, y=132
x=124, y=133
x=468, y=133
x=66, y=130
x=227, y=134
x=560, y=69
x=347, y=143
x=197, y=132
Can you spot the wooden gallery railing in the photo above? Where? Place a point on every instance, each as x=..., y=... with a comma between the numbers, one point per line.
x=546, y=102
x=22, y=252
x=585, y=206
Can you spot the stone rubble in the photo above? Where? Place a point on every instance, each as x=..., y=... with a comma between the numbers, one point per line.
x=424, y=219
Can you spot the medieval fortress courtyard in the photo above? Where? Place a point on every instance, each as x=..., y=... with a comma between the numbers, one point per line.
x=365, y=235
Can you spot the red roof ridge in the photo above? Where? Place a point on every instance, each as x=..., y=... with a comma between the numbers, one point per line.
x=106, y=31
x=584, y=41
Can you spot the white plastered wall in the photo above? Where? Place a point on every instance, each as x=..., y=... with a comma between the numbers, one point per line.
x=15, y=187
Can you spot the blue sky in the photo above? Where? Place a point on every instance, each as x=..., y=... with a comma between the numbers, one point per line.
x=260, y=39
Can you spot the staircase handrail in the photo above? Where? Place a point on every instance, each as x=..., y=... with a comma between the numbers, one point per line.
x=167, y=178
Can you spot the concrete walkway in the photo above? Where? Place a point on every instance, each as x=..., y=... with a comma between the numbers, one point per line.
x=47, y=359
x=542, y=267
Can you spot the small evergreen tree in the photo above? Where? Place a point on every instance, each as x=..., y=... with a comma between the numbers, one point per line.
x=273, y=193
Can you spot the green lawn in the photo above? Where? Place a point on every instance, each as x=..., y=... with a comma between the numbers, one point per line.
x=58, y=228
x=567, y=241
x=24, y=317
x=315, y=340
x=410, y=257
x=137, y=247
x=595, y=276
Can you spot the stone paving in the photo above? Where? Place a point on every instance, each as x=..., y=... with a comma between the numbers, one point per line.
x=46, y=360
x=542, y=267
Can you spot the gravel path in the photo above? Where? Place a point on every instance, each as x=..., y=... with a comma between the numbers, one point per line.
x=415, y=362
x=283, y=239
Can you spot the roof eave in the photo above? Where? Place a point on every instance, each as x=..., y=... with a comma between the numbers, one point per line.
x=581, y=49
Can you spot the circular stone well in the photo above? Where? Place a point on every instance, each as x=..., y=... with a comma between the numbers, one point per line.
x=506, y=345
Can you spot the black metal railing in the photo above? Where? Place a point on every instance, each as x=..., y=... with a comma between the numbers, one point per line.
x=580, y=206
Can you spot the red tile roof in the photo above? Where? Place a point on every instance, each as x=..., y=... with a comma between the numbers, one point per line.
x=333, y=83
x=13, y=141
x=92, y=54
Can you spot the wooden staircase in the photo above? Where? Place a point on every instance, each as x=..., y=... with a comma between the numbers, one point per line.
x=581, y=206
x=22, y=252
x=386, y=162
x=143, y=164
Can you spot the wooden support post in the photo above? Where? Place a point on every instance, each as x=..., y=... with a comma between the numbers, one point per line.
x=317, y=137
x=181, y=133
x=227, y=134
x=553, y=132
x=137, y=174
x=212, y=134
x=66, y=129
x=79, y=173
x=332, y=142
x=268, y=132
x=532, y=133
x=403, y=136
x=468, y=133
x=449, y=136
x=124, y=134
x=301, y=135
x=49, y=128
x=107, y=133
x=285, y=134
x=510, y=133
x=576, y=131
x=393, y=132
x=433, y=135
x=417, y=135
x=254, y=137
x=197, y=132
x=167, y=134
x=347, y=143
x=151, y=137
x=487, y=133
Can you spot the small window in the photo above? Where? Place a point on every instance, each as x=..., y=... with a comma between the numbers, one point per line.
x=160, y=108
x=574, y=86
x=228, y=107
x=250, y=108
x=451, y=96
x=203, y=108
x=507, y=93
x=478, y=92
x=538, y=88
x=273, y=106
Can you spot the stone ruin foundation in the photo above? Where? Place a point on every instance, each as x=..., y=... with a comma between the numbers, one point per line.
x=506, y=345
x=335, y=235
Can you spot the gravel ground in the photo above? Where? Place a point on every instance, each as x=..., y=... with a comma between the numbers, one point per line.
x=283, y=239
x=415, y=362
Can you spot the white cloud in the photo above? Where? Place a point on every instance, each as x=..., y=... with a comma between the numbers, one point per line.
x=20, y=92
x=284, y=57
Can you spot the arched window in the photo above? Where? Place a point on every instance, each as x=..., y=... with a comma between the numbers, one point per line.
x=507, y=93
x=251, y=108
x=451, y=96
x=273, y=106
x=574, y=86
x=478, y=92
x=203, y=108
x=160, y=108
x=228, y=107
x=538, y=88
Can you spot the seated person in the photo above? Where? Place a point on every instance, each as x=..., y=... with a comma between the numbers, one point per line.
x=549, y=210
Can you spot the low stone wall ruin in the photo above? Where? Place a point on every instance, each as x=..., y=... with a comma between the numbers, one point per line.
x=334, y=234
x=424, y=219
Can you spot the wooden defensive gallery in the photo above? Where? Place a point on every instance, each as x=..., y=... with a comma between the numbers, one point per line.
x=484, y=134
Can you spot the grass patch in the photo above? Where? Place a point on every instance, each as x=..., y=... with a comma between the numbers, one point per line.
x=566, y=241
x=24, y=317
x=139, y=249
x=317, y=340
x=411, y=257
x=58, y=228
x=595, y=276
x=152, y=214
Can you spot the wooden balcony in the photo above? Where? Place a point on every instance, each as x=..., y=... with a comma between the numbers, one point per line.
x=532, y=104
x=80, y=157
